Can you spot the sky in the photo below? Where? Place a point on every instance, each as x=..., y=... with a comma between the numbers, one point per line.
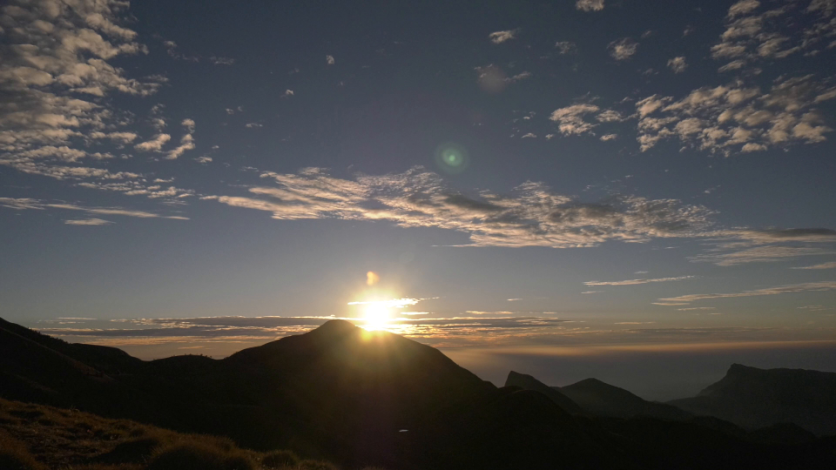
x=638, y=191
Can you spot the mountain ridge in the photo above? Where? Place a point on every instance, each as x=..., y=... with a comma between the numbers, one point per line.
x=375, y=398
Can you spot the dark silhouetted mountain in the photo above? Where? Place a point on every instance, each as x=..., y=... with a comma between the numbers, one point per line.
x=603, y=399
x=755, y=398
x=527, y=382
x=359, y=398
x=337, y=391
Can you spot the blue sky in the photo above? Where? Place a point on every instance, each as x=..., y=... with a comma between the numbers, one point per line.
x=541, y=179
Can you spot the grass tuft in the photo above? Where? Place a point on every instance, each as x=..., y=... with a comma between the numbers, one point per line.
x=279, y=459
x=199, y=456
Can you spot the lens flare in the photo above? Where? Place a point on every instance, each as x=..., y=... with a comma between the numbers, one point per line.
x=451, y=158
x=372, y=278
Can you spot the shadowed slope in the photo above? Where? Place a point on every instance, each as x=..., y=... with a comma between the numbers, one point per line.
x=604, y=399
x=38, y=368
x=755, y=398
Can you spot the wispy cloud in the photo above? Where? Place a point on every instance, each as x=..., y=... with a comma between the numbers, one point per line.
x=634, y=282
x=92, y=222
x=590, y=5
x=498, y=37
x=583, y=118
x=828, y=265
x=566, y=47
x=678, y=64
x=390, y=303
x=154, y=145
x=26, y=203
x=788, y=289
x=623, y=49
x=532, y=216
x=760, y=254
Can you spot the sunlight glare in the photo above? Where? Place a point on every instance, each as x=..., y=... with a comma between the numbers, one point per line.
x=376, y=316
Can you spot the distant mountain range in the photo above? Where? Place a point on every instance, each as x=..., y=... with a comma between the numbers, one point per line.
x=362, y=398
x=755, y=398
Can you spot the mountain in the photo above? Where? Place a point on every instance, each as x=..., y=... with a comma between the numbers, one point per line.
x=359, y=398
x=603, y=399
x=527, y=382
x=755, y=398
x=338, y=392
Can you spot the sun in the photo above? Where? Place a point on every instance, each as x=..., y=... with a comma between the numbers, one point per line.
x=376, y=316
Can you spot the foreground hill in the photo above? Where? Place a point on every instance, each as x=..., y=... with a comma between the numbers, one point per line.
x=603, y=399
x=38, y=437
x=754, y=398
x=359, y=398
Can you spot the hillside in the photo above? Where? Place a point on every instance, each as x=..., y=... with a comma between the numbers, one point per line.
x=39, y=437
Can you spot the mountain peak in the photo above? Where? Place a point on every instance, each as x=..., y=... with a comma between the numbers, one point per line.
x=527, y=382
x=336, y=327
x=736, y=369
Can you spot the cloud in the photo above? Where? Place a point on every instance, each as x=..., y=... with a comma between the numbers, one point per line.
x=498, y=37
x=590, y=5
x=583, y=118
x=483, y=312
x=634, y=282
x=391, y=303
x=186, y=143
x=222, y=60
x=809, y=235
x=154, y=145
x=57, y=82
x=735, y=117
x=677, y=64
x=760, y=254
x=623, y=49
x=204, y=159
x=189, y=124
x=88, y=222
x=788, y=289
x=518, y=77
x=253, y=125
x=532, y=216
x=566, y=47
x=27, y=203
x=329, y=59
x=829, y=265
x=513, y=300
x=588, y=292
x=175, y=329
x=754, y=35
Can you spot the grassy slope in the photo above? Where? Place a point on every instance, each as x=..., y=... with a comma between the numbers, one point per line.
x=38, y=437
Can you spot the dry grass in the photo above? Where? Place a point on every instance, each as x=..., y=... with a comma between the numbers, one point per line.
x=36, y=437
